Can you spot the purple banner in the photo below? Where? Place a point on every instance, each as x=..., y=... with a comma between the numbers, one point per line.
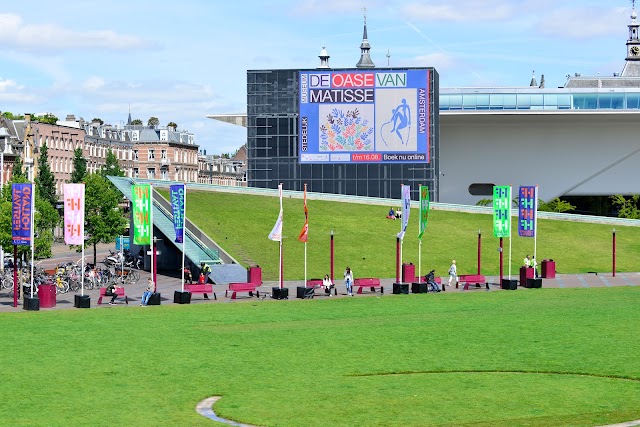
x=21, y=197
x=527, y=210
x=177, y=205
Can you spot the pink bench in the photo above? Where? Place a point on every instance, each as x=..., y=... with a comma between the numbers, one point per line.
x=242, y=287
x=119, y=291
x=467, y=279
x=368, y=282
x=317, y=284
x=201, y=289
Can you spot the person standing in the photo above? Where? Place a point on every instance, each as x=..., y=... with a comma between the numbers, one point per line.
x=147, y=293
x=534, y=265
x=453, y=272
x=348, y=281
x=527, y=261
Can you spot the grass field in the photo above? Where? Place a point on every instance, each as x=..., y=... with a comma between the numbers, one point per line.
x=366, y=241
x=529, y=358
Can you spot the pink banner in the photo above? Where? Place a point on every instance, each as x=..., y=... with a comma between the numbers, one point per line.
x=74, y=214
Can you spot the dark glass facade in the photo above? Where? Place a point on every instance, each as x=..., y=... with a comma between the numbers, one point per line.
x=272, y=145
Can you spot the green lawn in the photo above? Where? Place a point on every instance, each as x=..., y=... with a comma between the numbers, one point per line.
x=366, y=241
x=528, y=358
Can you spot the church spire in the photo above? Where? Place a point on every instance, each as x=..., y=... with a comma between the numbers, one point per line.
x=324, y=58
x=365, y=60
x=129, y=119
x=632, y=61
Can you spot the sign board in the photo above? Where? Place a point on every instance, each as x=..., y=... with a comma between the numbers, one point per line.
x=502, y=211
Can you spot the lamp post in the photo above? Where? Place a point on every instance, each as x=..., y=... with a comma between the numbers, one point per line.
x=3, y=144
x=614, y=251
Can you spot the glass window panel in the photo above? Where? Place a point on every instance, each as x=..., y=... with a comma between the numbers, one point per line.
x=564, y=101
x=482, y=100
x=361, y=172
x=524, y=101
x=444, y=101
x=510, y=101
x=585, y=101
x=537, y=100
x=455, y=102
x=550, y=100
x=633, y=101
x=496, y=100
x=469, y=101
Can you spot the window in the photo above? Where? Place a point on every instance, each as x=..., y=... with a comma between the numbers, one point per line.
x=164, y=155
x=136, y=172
x=152, y=154
x=175, y=155
x=151, y=173
x=135, y=154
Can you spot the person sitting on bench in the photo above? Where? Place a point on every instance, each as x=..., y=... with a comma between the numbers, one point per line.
x=111, y=292
x=327, y=284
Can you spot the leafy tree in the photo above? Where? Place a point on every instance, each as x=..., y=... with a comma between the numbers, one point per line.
x=173, y=125
x=627, y=208
x=136, y=122
x=97, y=119
x=47, y=118
x=111, y=166
x=18, y=171
x=79, y=166
x=484, y=202
x=45, y=181
x=555, y=205
x=46, y=218
x=103, y=217
x=153, y=121
x=11, y=116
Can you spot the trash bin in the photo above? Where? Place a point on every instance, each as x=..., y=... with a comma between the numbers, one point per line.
x=526, y=273
x=548, y=269
x=408, y=273
x=47, y=295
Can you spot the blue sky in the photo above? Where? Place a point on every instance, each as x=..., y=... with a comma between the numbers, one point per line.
x=182, y=60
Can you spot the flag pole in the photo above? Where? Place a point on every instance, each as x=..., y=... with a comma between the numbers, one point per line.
x=153, y=276
x=535, y=226
x=33, y=214
x=510, y=228
x=184, y=228
x=419, y=256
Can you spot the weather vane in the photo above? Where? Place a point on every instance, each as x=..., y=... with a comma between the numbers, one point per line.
x=364, y=12
x=388, y=55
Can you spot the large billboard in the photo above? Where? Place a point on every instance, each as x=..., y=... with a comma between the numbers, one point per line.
x=364, y=116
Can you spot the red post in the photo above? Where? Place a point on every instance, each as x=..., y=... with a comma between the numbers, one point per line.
x=479, y=249
x=501, y=262
x=397, y=260
x=331, y=266
x=614, y=252
x=155, y=266
x=15, y=275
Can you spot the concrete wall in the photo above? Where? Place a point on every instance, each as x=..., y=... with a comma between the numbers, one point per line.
x=565, y=153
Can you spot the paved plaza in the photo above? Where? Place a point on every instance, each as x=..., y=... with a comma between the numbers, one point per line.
x=167, y=285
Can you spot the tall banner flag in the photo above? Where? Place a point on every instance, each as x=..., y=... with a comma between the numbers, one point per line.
x=176, y=193
x=276, y=233
x=73, y=214
x=304, y=234
x=502, y=211
x=21, y=199
x=527, y=210
x=406, y=209
x=424, y=209
x=141, y=201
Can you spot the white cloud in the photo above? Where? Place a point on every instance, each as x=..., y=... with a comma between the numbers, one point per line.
x=15, y=33
x=316, y=7
x=6, y=85
x=441, y=61
x=583, y=22
x=93, y=83
x=459, y=11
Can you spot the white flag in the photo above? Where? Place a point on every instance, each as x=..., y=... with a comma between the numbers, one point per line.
x=276, y=233
x=406, y=209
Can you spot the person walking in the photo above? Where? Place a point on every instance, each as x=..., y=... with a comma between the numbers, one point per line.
x=348, y=281
x=453, y=273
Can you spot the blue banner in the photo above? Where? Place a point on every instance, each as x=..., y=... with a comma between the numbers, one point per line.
x=22, y=198
x=527, y=211
x=177, y=205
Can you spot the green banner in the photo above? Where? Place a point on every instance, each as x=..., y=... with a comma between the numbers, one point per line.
x=424, y=209
x=141, y=202
x=502, y=211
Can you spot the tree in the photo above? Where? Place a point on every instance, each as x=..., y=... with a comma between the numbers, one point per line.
x=79, y=166
x=555, y=205
x=11, y=116
x=97, y=119
x=627, y=208
x=172, y=125
x=45, y=181
x=103, y=217
x=46, y=218
x=47, y=118
x=153, y=121
x=136, y=122
x=18, y=171
x=111, y=166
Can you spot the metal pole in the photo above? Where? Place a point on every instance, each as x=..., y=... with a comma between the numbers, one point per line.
x=33, y=234
x=419, y=259
x=184, y=229
x=82, y=273
x=331, y=265
x=614, y=252
x=479, y=250
x=15, y=275
x=281, y=266
x=153, y=251
x=397, y=260
x=305, y=263
x=122, y=257
x=1, y=190
x=501, y=261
